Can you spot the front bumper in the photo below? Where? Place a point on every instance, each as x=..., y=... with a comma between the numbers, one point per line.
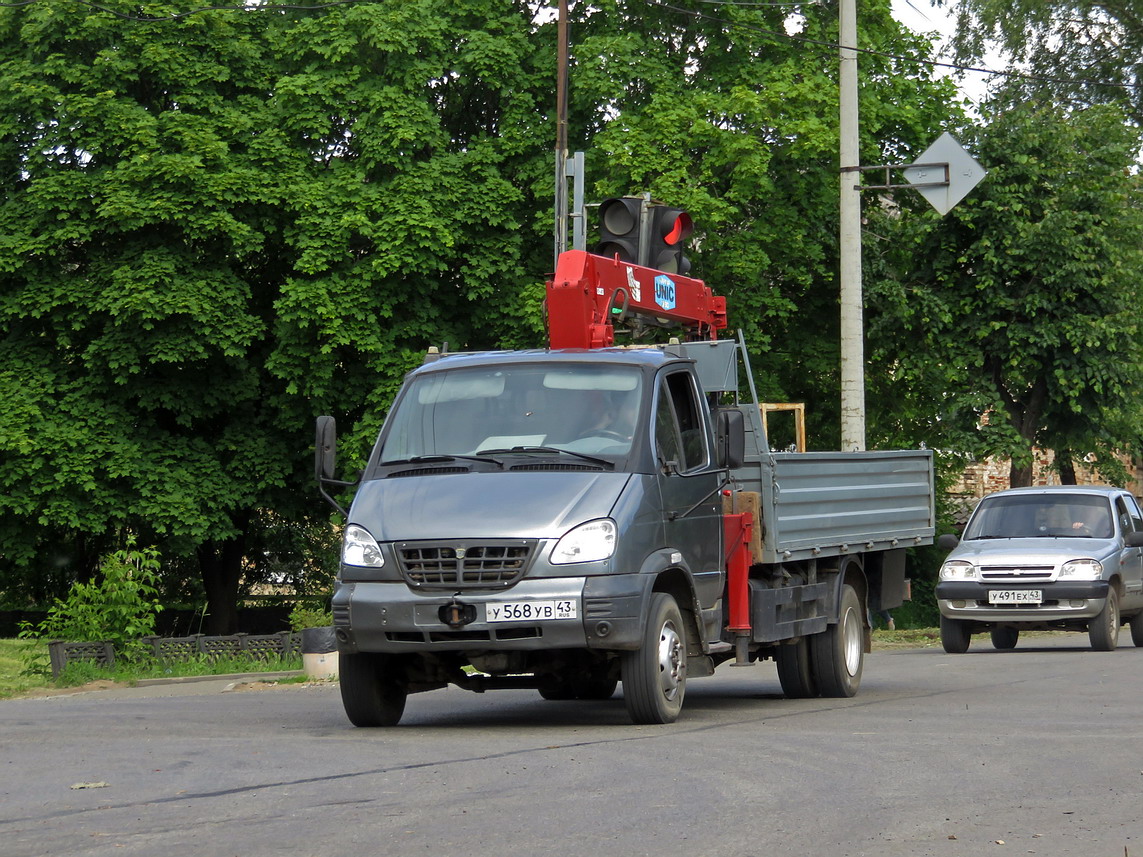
x=391, y=617
x=1083, y=599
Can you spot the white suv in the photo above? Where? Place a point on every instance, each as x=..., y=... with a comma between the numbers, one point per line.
x=1061, y=557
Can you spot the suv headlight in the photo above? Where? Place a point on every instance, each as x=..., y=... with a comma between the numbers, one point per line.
x=1082, y=569
x=360, y=548
x=594, y=540
x=958, y=569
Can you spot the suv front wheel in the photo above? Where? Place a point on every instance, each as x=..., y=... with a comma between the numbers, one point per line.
x=1103, y=631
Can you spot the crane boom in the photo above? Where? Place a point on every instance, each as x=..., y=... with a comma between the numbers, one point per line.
x=589, y=294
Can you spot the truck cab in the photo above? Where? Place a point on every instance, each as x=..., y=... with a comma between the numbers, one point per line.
x=517, y=507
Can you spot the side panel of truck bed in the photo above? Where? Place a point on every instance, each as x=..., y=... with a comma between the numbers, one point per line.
x=830, y=503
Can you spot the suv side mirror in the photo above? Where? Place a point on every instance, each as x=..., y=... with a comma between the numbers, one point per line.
x=948, y=541
x=730, y=438
x=1134, y=540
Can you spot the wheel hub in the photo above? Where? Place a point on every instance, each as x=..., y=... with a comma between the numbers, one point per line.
x=672, y=663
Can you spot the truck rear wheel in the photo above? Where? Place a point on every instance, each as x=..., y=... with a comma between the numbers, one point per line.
x=795, y=670
x=655, y=676
x=1103, y=630
x=370, y=691
x=838, y=653
x=955, y=635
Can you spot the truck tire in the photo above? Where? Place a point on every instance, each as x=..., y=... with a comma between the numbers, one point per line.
x=1005, y=638
x=655, y=676
x=1103, y=630
x=955, y=635
x=838, y=653
x=371, y=694
x=795, y=670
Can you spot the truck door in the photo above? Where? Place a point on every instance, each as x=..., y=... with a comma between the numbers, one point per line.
x=1131, y=559
x=688, y=486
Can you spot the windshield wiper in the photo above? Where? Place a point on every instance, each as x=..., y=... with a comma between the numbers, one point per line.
x=439, y=457
x=546, y=450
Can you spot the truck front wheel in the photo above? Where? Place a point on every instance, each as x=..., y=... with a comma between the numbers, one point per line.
x=838, y=652
x=655, y=676
x=372, y=691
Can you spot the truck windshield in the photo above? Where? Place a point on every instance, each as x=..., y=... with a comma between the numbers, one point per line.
x=1023, y=516
x=587, y=409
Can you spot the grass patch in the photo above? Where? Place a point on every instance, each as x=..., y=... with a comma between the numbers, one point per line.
x=906, y=638
x=17, y=679
x=13, y=680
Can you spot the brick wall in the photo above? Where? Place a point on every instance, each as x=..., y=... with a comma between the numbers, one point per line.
x=984, y=477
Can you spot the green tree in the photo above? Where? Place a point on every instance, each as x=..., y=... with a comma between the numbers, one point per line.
x=720, y=110
x=213, y=228
x=1084, y=51
x=1012, y=322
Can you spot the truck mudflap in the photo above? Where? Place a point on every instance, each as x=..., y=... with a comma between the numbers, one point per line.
x=536, y=614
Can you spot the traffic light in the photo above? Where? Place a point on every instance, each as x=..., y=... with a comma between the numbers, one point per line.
x=619, y=221
x=670, y=229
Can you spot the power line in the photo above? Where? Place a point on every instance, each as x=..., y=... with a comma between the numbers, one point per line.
x=174, y=16
x=834, y=46
x=775, y=34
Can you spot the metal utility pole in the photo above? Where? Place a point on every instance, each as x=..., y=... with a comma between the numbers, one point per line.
x=562, y=129
x=852, y=322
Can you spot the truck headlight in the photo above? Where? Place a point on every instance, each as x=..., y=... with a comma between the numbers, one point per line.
x=958, y=570
x=588, y=542
x=360, y=548
x=1082, y=569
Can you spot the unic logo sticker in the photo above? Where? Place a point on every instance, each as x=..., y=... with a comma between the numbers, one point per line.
x=665, y=291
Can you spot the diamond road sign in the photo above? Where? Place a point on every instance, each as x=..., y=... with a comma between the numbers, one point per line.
x=949, y=171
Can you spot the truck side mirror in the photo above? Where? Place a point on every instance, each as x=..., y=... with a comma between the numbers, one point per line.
x=730, y=437
x=325, y=448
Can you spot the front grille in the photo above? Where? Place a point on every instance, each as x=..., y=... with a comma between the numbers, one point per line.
x=1017, y=573
x=463, y=565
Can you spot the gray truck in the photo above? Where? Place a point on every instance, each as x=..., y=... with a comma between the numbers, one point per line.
x=567, y=519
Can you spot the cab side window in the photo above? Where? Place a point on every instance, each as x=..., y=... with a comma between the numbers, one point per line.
x=679, y=433
x=1132, y=513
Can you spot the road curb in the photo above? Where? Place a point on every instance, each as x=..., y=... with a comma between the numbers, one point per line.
x=231, y=677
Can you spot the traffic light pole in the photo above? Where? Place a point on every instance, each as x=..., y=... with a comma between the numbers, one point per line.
x=852, y=317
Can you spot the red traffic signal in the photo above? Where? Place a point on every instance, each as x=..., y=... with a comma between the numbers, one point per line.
x=670, y=229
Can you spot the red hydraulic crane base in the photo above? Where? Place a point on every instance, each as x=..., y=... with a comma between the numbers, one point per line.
x=586, y=288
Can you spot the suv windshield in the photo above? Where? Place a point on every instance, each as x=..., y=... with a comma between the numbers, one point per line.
x=590, y=410
x=1023, y=516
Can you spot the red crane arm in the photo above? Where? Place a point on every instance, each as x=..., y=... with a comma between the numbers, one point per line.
x=588, y=292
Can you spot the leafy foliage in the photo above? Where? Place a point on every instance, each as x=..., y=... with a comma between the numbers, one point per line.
x=1012, y=321
x=1083, y=52
x=119, y=607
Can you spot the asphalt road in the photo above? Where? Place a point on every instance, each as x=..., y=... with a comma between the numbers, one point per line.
x=1035, y=751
